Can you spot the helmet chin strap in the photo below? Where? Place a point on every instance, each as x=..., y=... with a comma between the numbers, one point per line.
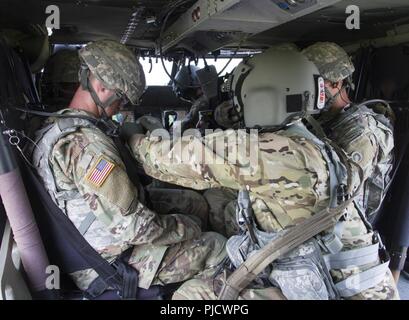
x=331, y=98
x=86, y=85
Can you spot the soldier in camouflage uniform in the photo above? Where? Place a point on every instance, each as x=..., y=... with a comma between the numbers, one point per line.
x=222, y=202
x=365, y=135
x=59, y=83
x=292, y=181
x=60, y=78
x=84, y=174
x=367, y=138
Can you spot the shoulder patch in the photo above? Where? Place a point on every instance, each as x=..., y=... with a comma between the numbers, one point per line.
x=100, y=172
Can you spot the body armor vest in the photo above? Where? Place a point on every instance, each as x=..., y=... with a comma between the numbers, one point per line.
x=69, y=201
x=373, y=193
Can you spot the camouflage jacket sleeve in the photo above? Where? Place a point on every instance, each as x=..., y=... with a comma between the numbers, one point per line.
x=88, y=161
x=271, y=164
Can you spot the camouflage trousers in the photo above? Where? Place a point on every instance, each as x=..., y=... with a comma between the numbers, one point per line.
x=183, y=201
x=209, y=289
x=222, y=211
x=198, y=258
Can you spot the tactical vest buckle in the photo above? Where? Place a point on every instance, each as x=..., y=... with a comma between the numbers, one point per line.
x=342, y=193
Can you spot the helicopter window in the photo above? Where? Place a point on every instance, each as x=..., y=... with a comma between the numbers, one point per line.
x=158, y=77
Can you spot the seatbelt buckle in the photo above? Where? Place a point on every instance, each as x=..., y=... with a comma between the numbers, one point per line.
x=342, y=193
x=377, y=239
x=331, y=243
x=96, y=288
x=383, y=253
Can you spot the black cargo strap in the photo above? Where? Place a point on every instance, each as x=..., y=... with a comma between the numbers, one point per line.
x=129, y=286
x=131, y=166
x=130, y=279
x=117, y=278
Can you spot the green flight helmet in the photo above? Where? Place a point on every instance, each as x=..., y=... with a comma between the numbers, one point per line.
x=116, y=67
x=275, y=87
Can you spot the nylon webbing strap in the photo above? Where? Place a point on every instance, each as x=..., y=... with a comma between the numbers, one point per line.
x=86, y=223
x=356, y=257
x=362, y=281
x=287, y=241
x=96, y=288
x=71, y=234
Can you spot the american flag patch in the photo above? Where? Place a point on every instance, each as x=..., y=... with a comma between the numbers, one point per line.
x=99, y=173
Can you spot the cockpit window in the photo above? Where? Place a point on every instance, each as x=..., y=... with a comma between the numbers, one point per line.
x=158, y=77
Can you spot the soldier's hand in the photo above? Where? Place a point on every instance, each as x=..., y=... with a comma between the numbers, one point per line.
x=128, y=129
x=150, y=123
x=226, y=115
x=192, y=117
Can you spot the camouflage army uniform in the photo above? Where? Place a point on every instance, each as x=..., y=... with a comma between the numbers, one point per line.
x=222, y=202
x=209, y=289
x=298, y=176
x=166, y=248
x=222, y=210
x=178, y=200
x=367, y=138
